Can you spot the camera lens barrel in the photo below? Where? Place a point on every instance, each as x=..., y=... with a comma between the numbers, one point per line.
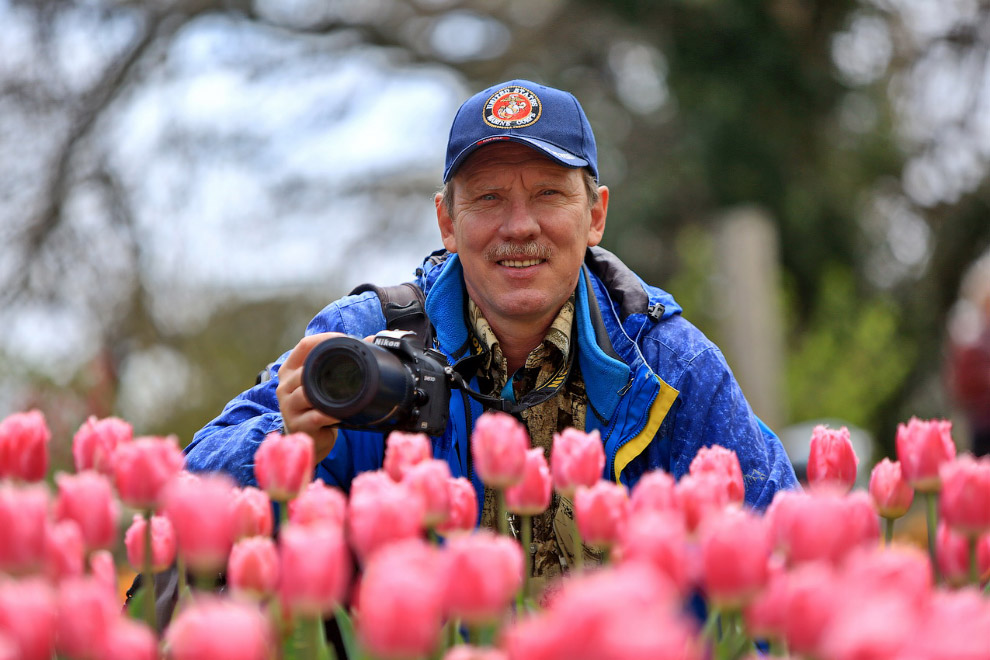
x=357, y=382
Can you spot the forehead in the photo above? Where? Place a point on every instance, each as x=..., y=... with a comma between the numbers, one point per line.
x=508, y=158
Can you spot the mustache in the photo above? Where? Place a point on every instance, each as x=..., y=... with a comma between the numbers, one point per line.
x=530, y=250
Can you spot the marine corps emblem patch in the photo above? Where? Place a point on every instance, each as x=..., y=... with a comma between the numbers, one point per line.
x=512, y=107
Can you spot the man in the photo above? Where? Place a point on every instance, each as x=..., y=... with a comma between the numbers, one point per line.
x=554, y=324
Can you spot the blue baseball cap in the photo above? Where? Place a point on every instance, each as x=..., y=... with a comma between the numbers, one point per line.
x=546, y=119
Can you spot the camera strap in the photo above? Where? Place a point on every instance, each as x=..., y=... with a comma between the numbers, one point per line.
x=460, y=373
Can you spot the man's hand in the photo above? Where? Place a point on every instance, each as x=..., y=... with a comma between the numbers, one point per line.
x=298, y=415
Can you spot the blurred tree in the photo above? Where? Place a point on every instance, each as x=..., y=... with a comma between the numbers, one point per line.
x=164, y=163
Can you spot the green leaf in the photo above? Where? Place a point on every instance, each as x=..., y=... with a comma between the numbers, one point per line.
x=135, y=607
x=347, y=633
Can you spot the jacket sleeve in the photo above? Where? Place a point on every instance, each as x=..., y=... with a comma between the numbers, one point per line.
x=228, y=443
x=713, y=411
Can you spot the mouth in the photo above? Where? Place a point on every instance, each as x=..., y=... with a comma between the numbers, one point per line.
x=520, y=263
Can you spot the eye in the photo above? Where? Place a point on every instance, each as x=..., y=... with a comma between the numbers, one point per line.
x=488, y=197
x=550, y=191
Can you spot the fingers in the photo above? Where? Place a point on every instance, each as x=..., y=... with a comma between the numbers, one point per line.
x=298, y=414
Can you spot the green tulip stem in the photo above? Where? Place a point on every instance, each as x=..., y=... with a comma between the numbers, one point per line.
x=527, y=541
x=149, y=577
x=503, y=515
x=931, y=499
x=888, y=531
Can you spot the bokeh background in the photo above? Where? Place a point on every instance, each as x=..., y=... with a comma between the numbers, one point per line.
x=184, y=183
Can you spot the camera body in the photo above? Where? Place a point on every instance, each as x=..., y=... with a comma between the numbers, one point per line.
x=392, y=384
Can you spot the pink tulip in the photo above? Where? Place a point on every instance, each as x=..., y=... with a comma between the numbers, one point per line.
x=576, y=459
x=766, y=614
x=163, y=544
x=86, y=610
x=428, y=481
x=143, y=466
x=484, y=572
x=724, y=464
x=954, y=625
x=283, y=464
x=8, y=648
x=24, y=446
x=253, y=566
x=28, y=617
x=811, y=597
x=832, y=460
x=735, y=550
x=702, y=495
x=867, y=625
x=952, y=553
x=658, y=538
x=821, y=525
x=463, y=514
x=903, y=569
x=498, y=446
x=200, y=510
x=87, y=498
x=220, y=629
x=252, y=513
x=23, y=516
x=319, y=503
x=464, y=652
x=127, y=639
x=401, y=601
x=922, y=447
x=104, y=571
x=95, y=442
x=64, y=551
x=965, y=499
x=315, y=568
x=601, y=512
x=403, y=450
x=380, y=512
x=890, y=493
x=655, y=491
x=531, y=496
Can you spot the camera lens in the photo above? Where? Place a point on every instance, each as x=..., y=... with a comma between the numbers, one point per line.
x=341, y=377
x=357, y=382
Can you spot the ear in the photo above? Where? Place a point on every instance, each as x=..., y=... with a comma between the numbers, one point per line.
x=446, y=224
x=598, y=213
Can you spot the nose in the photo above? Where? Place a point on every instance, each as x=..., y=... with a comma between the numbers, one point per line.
x=520, y=222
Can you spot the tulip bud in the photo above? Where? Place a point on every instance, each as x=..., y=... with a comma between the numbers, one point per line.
x=428, y=481
x=735, y=550
x=465, y=652
x=498, y=446
x=531, y=496
x=24, y=446
x=702, y=495
x=922, y=447
x=463, y=514
x=600, y=513
x=252, y=513
x=953, y=555
x=319, y=503
x=87, y=498
x=29, y=617
x=832, y=460
x=965, y=499
x=401, y=601
x=163, y=543
x=283, y=464
x=199, y=508
x=253, y=566
x=86, y=610
x=484, y=571
x=655, y=491
x=658, y=538
x=315, y=568
x=403, y=450
x=380, y=512
x=724, y=464
x=143, y=466
x=104, y=571
x=220, y=629
x=127, y=639
x=64, y=551
x=576, y=459
x=23, y=516
x=95, y=442
x=890, y=493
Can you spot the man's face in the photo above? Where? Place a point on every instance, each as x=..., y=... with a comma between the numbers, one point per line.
x=521, y=224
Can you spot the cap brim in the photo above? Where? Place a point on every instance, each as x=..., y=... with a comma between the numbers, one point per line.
x=555, y=153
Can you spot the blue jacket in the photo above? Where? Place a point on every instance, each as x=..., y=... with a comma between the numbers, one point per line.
x=658, y=389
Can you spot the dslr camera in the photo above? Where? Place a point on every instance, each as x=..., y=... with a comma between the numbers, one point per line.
x=392, y=384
